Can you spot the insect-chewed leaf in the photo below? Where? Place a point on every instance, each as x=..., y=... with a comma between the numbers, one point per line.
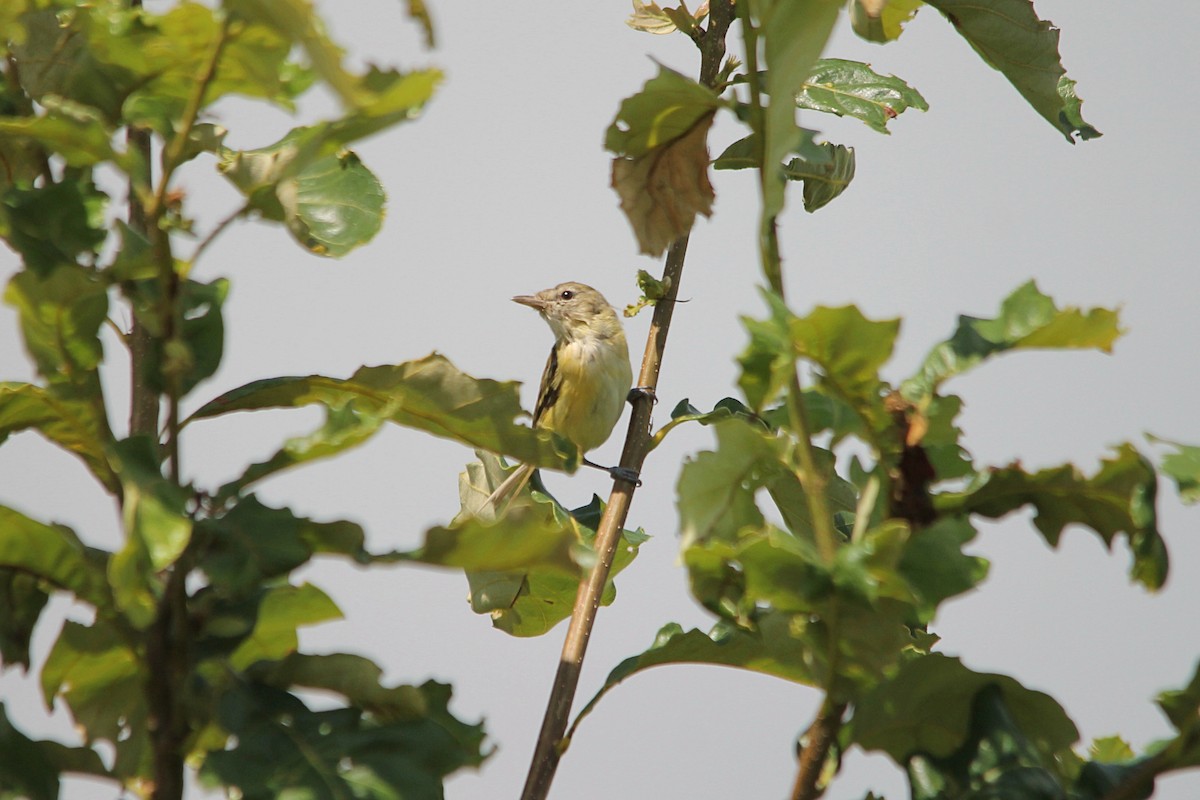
x=1119, y=498
x=1010, y=37
x=1027, y=319
x=851, y=88
x=823, y=180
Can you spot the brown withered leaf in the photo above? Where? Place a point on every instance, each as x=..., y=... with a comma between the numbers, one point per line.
x=662, y=191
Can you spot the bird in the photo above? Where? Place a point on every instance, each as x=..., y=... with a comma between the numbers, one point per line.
x=587, y=376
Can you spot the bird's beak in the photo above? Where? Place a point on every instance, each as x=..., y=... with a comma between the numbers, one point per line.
x=531, y=301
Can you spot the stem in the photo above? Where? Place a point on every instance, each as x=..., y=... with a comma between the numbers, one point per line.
x=172, y=155
x=550, y=743
x=217, y=231
x=819, y=737
x=768, y=241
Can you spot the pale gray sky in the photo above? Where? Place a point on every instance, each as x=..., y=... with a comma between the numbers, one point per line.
x=502, y=189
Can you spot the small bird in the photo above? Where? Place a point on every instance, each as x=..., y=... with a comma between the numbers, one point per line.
x=587, y=377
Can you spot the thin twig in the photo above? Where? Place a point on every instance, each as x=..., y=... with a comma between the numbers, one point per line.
x=817, y=741
x=550, y=744
x=217, y=231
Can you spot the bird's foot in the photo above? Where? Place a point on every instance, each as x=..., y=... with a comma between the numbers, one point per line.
x=617, y=473
x=642, y=391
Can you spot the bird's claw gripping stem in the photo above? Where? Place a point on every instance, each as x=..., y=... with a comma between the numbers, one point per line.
x=642, y=391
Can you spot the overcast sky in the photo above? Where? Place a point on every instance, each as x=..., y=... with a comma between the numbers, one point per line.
x=502, y=189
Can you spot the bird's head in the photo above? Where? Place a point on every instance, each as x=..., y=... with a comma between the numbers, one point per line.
x=574, y=311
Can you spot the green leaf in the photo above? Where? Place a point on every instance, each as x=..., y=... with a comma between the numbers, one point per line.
x=65, y=64
x=927, y=708
x=940, y=441
x=1009, y=36
x=73, y=425
x=285, y=750
x=197, y=354
x=885, y=25
x=685, y=412
x=715, y=493
x=524, y=569
x=52, y=225
x=25, y=772
x=99, y=676
x=345, y=427
x=394, y=98
x=53, y=553
x=823, y=180
x=355, y=678
x=429, y=394
x=652, y=291
x=849, y=349
x=157, y=528
x=1119, y=498
x=1182, y=706
x=1183, y=467
x=77, y=133
x=61, y=314
x=794, y=33
x=333, y=205
x=253, y=544
x=281, y=612
x=998, y=760
x=668, y=106
x=298, y=24
x=851, y=88
x=1027, y=319
x=769, y=650
x=935, y=566
x=660, y=169
x=21, y=604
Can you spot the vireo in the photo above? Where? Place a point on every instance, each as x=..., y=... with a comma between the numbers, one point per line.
x=587, y=376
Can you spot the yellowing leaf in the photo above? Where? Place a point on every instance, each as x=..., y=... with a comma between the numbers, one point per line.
x=662, y=191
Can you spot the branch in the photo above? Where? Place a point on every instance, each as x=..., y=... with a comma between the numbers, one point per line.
x=817, y=740
x=551, y=744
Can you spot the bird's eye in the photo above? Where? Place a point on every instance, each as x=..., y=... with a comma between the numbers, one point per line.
x=567, y=295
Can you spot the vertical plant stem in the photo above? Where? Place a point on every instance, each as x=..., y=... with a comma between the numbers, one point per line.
x=143, y=400
x=817, y=740
x=824, y=729
x=167, y=652
x=550, y=743
x=812, y=479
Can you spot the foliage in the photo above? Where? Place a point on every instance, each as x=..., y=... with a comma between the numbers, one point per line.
x=823, y=531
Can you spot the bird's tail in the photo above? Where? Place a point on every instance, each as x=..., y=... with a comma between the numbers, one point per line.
x=511, y=487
